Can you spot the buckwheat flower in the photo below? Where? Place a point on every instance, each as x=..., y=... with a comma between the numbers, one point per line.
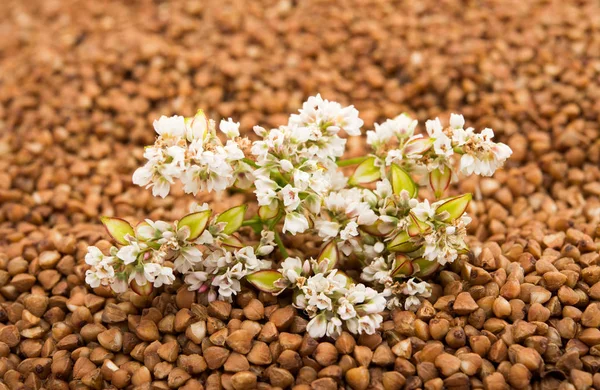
x=327, y=229
x=424, y=211
x=129, y=253
x=195, y=280
x=94, y=256
x=170, y=126
x=369, y=324
x=164, y=276
x=229, y=282
x=230, y=128
x=119, y=285
x=291, y=198
x=295, y=223
x=291, y=269
x=349, y=231
x=334, y=327
x=265, y=191
x=187, y=259
x=457, y=121
x=101, y=275
x=317, y=327
x=286, y=165
x=377, y=271
x=346, y=309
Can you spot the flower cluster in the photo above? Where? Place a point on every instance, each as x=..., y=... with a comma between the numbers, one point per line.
x=378, y=216
x=188, y=149
x=331, y=299
x=209, y=257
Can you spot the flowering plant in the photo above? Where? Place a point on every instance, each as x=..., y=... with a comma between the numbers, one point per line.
x=373, y=216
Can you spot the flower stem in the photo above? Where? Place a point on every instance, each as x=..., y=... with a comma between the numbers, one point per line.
x=250, y=162
x=251, y=221
x=351, y=161
x=280, y=245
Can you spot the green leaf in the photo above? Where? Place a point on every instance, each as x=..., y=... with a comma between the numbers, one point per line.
x=118, y=228
x=401, y=243
x=402, y=266
x=265, y=280
x=366, y=172
x=423, y=267
x=440, y=180
x=416, y=226
x=233, y=217
x=331, y=252
x=267, y=213
x=401, y=180
x=232, y=243
x=455, y=206
x=196, y=222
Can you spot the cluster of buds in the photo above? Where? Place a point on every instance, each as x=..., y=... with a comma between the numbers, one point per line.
x=376, y=216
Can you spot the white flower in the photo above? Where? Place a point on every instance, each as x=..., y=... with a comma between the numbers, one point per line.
x=94, y=256
x=230, y=128
x=346, y=309
x=317, y=327
x=334, y=327
x=188, y=257
x=291, y=269
x=349, y=231
x=286, y=165
x=423, y=211
x=291, y=199
x=369, y=324
x=457, y=121
x=170, y=126
x=265, y=190
x=295, y=223
x=417, y=288
x=129, y=253
x=377, y=271
x=327, y=229
x=195, y=280
x=164, y=276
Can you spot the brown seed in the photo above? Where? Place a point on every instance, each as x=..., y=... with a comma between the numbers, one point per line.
x=326, y=354
x=447, y=364
x=111, y=339
x=427, y=371
x=147, y=330
x=383, y=356
x=120, y=379
x=10, y=335
x=403, y=349
x=215, y=357
x=244, y=380
x=260, y=354
x=494, y=381
x=219, y=309
x=196, y=331
x=240, y=341
x=280, y=377
x=236, y=363
x=290, y=360
x=345, y=343
x=283, y=317
x=581, y=379
x=177, y=378
x=82, y=367
x=591, y=315
x=169, y=351
x=464, y=304
x=393, y=380
x=254, y=310
x=193, y=364
x=358, y=378
x=290, y=341
x=268, y=333
x=519, y=376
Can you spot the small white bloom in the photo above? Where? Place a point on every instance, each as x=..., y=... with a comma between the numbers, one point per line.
x=230, y=128
x=457, y=121
x=327, y=229
x=317, y=327
x=295, y=223
x=129, y=253
x=291, y=199
x=286, y=165
x=349, y=231
x=195, y=280
x=170, y=126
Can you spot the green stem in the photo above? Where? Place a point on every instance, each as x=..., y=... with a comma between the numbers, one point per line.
x=351, y=161
x=251, y=221
x=280, y=245
x=250, y=162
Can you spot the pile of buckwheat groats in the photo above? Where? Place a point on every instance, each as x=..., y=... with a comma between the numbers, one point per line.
x=81, y=82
